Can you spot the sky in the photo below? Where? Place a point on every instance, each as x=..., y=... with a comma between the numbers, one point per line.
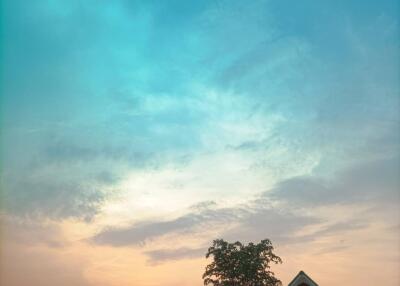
x=133, y=133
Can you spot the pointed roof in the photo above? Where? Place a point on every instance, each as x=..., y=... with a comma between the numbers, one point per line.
x=302, y=278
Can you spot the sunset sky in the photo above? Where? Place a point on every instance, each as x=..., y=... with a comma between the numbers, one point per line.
x=133, y=133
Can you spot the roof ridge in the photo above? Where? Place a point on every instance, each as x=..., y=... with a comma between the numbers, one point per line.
x=302, y=273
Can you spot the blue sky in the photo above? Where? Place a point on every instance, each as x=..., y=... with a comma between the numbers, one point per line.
x=145, y=120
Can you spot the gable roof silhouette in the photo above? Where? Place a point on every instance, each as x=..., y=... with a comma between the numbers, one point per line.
x=302, y=278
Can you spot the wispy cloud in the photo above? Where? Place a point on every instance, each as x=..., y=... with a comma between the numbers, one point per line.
x=186, y=224
x=163, y=255
x=370, y=182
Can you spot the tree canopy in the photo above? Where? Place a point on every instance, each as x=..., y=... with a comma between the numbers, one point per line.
x=235, y=264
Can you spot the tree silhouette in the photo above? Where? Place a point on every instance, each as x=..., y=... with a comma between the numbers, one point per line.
x=235, y=264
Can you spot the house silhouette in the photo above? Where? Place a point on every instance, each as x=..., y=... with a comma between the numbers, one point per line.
x=302, y=279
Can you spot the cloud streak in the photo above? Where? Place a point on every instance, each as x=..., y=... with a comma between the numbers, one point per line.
x=371, y=182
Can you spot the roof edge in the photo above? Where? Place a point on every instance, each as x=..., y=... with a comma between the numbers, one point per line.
x=302, y=273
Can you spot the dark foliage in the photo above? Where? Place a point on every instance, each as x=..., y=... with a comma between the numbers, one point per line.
x=235, y=264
